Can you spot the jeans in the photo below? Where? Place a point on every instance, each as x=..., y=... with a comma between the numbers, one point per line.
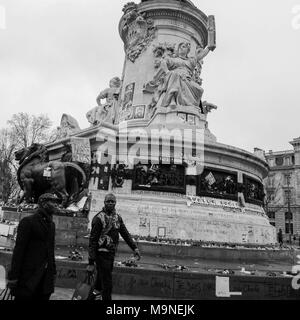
x=105, y=264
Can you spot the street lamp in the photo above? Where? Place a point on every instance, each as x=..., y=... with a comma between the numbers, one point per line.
x=289, y=207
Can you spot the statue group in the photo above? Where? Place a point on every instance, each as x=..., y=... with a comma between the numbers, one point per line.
x=37, y=175
x=177, y=81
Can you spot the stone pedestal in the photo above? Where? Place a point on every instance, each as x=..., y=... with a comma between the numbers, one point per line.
x=177, y=181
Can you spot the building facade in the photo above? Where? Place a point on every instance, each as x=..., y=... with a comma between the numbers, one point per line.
x=283, y=189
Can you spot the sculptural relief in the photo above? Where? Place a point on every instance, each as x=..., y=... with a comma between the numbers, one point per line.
x=159, y=177
x=217, y=184
x=177, y=81
x=106, y=112
x=126, y=112
x=68, y=126
x=155, y=86
x=137, y=31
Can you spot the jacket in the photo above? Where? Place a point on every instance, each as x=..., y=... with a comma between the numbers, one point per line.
x=33, y=254
x=105, y=232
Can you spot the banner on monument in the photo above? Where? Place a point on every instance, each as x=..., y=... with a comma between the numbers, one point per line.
x=211, y=32
x=81, y=150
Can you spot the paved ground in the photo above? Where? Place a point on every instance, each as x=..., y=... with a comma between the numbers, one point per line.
x=194, y=264
x=156, y=262
x=66, y=294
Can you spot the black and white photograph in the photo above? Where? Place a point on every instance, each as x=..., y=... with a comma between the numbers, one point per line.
x=149, y=153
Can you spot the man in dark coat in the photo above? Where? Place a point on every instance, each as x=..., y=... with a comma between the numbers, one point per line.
x=33, y=269
x=103, y=243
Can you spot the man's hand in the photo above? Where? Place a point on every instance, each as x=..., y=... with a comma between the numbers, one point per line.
x=137, y=254
x=11, y=284
x=90, y=268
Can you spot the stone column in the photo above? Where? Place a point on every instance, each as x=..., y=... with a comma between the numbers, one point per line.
x=143, y=28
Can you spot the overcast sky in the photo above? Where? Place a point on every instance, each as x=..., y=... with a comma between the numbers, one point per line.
x=56, y=55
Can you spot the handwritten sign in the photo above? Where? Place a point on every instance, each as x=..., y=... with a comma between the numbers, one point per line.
x=81, y=150
x=222, y=288
x=210, y=201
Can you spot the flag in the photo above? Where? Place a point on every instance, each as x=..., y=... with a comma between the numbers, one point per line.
x=210, y=179
x=279, y=198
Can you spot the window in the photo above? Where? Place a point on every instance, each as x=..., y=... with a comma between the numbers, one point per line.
x=161, y=232
x=287, y=179
x=287, y=195
x=287, y=216
x=271, y=215
x=279, y=161
x=288, y=161
x=287, y=228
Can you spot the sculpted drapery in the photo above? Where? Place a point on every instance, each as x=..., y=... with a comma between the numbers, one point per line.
x=179, y=87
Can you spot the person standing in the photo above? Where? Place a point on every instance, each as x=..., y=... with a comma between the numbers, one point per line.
x=103, y=244
x=280, y=238
x=32, y=272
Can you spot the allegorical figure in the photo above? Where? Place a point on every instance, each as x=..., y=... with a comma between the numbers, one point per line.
x=33, y=269
x=179, y=87
x=68, y=125
x=103, y=244
x=106, y=112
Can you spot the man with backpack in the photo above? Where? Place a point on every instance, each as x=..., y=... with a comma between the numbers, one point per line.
x=103, y=243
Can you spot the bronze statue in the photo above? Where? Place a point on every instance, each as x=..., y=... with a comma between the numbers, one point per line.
x=36, y=175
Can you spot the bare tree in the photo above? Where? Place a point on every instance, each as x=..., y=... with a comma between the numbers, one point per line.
x=28, y=129
x=8, y=169
x=24, y=129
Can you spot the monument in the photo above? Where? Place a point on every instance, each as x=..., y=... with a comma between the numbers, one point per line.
x=150, y=142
